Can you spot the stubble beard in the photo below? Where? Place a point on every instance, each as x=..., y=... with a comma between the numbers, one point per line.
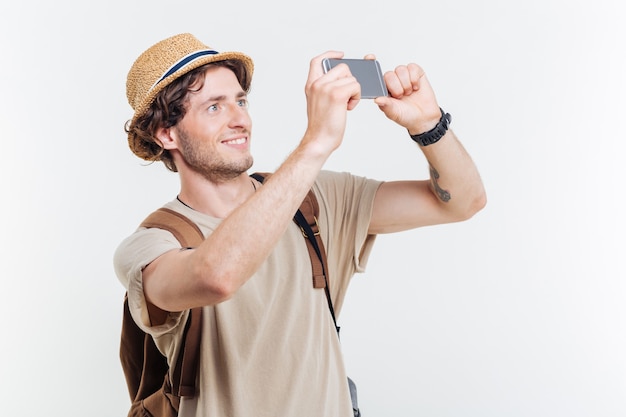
x=202, y=160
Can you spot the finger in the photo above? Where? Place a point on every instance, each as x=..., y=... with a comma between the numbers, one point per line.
x=315, y=65
x=394, y=86
x=416, y=74
x=382, y=101
x=354, y=101
x=339, y=84
x=404, y=76
x=316, y=71
x=349, y=88
x=388, y=106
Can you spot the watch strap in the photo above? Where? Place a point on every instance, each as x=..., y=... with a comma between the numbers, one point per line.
x=436, y=133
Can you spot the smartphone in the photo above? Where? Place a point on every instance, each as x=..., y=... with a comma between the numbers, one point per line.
x=366, y=71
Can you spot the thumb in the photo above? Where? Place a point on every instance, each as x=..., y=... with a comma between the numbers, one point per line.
x=387, y=105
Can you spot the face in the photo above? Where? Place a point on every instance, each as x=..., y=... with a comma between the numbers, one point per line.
x=214, y=136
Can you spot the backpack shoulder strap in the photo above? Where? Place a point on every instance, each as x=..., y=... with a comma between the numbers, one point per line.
x=188, y=235
x=184, y=230
x=307, y=215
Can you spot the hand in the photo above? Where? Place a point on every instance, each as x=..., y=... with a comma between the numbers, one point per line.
x=411, y=102
x=329, y=97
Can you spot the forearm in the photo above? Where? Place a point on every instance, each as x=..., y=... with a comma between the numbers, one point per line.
x=454, y=192
x=454, y=178
x=244, y=239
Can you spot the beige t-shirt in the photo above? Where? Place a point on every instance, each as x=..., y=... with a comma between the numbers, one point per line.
x=272, y=349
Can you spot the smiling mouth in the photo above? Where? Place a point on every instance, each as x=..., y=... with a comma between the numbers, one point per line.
x=239, y=141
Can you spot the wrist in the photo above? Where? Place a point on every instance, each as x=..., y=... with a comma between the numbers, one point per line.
x=433, y=135
x=312, y=151
x=425, y=123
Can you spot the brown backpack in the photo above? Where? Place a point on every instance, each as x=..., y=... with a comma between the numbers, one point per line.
x=146, y=370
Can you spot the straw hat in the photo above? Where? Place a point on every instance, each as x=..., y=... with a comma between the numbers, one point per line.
x=167, y=60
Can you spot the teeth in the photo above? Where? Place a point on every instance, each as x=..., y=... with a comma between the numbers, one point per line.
x=237, y=141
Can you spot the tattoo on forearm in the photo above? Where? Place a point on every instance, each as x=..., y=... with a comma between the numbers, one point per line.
x=441, y=193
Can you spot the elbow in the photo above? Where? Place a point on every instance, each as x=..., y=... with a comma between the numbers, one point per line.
x=480, y=205
x=475, y=204
x=218, y=292
x=466, y=209
x=222, y=288
x=216, y=285
x=478, y=202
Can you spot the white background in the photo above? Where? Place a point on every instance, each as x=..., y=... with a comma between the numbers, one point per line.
x=518, y=312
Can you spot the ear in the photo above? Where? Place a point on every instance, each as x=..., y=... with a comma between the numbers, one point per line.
x=167, y=137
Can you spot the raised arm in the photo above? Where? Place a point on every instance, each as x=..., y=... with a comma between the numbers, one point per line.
x=216, y=269
x=455, y=190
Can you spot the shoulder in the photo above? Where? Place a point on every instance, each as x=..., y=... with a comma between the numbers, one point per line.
x=136, y=251
x=141, y=247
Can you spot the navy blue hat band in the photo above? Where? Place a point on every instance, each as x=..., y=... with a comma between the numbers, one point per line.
x=184, y=61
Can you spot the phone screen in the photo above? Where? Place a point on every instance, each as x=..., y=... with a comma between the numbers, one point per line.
x=366, y=71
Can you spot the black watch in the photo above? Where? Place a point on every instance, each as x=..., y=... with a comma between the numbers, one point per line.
x=436, y=133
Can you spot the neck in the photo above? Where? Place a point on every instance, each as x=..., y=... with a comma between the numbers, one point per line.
x=217, y=199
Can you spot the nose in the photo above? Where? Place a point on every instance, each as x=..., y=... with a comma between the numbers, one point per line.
x=239, y=116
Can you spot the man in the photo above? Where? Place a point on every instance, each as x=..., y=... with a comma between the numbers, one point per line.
x=269, y=347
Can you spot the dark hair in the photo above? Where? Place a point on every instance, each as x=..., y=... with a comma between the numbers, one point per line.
x=169, y=107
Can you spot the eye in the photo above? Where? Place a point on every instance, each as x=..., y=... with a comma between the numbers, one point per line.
x=243, y=103
x=212, y=108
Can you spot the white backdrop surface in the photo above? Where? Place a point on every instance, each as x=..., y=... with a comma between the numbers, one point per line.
x=518, y=312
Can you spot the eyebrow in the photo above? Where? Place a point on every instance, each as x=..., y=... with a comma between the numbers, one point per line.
x=223, y=97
